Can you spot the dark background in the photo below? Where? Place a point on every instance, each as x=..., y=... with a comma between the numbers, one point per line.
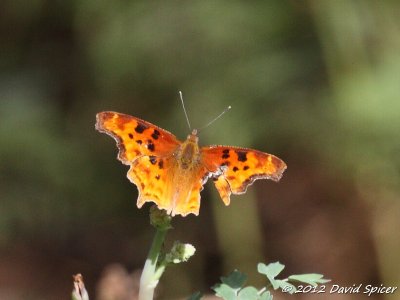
x=313, y=82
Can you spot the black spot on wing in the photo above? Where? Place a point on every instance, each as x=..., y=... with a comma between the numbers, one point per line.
x=161, y=164
x=150, y=145
x=130, y=135
x=246, y=168
x=139, y=142
x=155, y=134
x=158, y=177
x=241, y=155
x=235, y=169
x=140, y=127
x=153, y=160
x=225, y=155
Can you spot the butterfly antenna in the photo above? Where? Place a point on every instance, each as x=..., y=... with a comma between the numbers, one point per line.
x=184, y=110
x=215, y=119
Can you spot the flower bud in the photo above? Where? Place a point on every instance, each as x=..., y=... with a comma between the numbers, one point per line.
x=180, y=253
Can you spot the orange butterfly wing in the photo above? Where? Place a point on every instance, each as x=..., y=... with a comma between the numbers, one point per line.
x=234, y=168
x=148, y=149
x=135, y=137
x=172, y=188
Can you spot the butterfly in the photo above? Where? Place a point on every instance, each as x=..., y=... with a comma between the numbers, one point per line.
x=172, y=173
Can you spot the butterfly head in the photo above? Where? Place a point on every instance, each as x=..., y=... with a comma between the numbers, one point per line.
x=193, y=136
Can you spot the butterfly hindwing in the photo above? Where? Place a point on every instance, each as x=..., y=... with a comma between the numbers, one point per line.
x=152, y=176
x=160, y=180
x=234, y=168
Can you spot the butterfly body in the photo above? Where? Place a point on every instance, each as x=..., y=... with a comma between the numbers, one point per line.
x=171, y=173
x=188, y=153
x=185, y=165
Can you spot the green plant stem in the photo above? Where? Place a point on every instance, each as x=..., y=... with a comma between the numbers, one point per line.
x=149, y=278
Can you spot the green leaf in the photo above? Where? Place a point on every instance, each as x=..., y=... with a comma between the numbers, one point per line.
x=196, y=296
x=225, y=291
x=271, y=271
x=266, y=296
x=235, y=279
x=248, y=293
x=311, y=279
x=230, y=285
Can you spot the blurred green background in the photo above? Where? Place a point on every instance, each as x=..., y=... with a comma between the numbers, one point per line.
x=316, y=83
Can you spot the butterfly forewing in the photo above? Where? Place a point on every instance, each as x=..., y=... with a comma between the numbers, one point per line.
x=135, y=137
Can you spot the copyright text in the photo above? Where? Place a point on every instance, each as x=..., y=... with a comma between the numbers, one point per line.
x=368, y=289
